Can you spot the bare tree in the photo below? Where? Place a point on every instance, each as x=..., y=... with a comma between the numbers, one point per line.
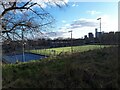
x=29, y=17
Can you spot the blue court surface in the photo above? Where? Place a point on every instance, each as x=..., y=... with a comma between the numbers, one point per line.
x=19, y=57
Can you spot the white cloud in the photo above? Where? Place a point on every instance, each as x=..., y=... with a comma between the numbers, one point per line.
x=67, y=25
x=55, y=34
x=93, y=0
x=74, y=5
x=109, y=23
x=1, y=9
x=70, y=0
x=77, y=32
x=44, y=3
x=77, y=5
x=83, y=23
x=79, y=27
x=63, y=21
x=83, y=26
x=93, y=12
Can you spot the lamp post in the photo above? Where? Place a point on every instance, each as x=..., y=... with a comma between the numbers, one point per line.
x=71, y=41
x=100, y=23
x=100, y=30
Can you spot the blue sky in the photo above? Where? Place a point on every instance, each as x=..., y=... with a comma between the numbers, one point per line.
x=81, y=18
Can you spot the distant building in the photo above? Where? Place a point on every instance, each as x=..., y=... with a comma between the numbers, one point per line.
x=117, y=36
x=117, y=33
x=90, y=35
x=111, y=33
x=85, y=37
x=105, y=34
x=97, y=34
x=86, y=40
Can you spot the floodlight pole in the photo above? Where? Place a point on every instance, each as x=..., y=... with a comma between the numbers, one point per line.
x=23, y=45
x=100, y=30
x=71, y=42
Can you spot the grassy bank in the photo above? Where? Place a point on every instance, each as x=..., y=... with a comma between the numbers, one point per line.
x=90, y=69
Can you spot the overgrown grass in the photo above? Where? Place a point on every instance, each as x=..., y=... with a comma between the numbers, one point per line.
x=90, y=69
x=62, y=50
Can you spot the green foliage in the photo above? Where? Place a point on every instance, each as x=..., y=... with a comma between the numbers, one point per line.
x=90, y=69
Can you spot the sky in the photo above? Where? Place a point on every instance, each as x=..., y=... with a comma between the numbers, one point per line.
x=81, y=18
